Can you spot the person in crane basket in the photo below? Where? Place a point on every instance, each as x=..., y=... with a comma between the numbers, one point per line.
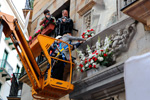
x=60, y=50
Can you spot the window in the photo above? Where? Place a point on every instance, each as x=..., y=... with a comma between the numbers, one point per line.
x=17, y=69
x=5, y=56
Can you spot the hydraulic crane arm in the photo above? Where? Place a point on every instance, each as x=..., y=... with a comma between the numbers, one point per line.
x=12, y=29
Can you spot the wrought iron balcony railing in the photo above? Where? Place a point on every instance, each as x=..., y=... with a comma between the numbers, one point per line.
x=16, y=87
x=128, y=2
x=5, y=66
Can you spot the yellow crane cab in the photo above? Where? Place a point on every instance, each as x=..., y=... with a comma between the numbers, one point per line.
x=49, y=88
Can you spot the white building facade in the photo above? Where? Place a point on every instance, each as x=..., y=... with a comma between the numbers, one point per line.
x=9, y=61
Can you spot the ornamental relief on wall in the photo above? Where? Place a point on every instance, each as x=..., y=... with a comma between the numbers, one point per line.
x=120, y=41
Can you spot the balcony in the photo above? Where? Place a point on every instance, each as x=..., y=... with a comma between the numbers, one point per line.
x=16, y=87
x=138, y=10
x=5, y=69
x=9, y=43
x=42, y=63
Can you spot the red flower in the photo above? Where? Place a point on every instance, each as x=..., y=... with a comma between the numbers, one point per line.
x=89, y=60
x=102, y=50
x=105, y=54
x=92, y=30
x=94, y=66
x=81, y=70
x=90, y=66
x=81, y=65
x=95, y=59
x=93, y=53
x=96, y=53
x=83, y=33
x=85, y=61
x=88, y=30
x=53, y=20
x=89, y=35
x=82, y=36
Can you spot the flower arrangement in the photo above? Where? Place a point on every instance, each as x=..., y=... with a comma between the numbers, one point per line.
x=88, y=33
x=100, y=57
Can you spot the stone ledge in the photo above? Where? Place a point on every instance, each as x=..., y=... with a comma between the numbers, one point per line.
x=106, y=80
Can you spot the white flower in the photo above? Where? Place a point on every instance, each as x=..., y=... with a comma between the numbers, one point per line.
x=83, y=58
x=86, y=36
x=78, y=70
x=87, y=65
x=92, y=34
x=99, y=51
x=92, y=61
x=94, y=64
x=83, y=68
x=100, y=58
x=78, y=67
x=90, y=56
x=81, y=62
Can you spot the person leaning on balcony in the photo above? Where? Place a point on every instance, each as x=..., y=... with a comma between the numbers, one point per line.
x=64, y=24
x=48, y=17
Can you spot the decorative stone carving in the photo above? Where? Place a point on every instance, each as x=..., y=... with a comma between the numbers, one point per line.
x=122, y=39
x=87, y=21
x=112, y=98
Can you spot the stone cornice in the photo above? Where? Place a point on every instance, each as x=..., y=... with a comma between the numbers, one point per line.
x=86, y=8
x=102, y=80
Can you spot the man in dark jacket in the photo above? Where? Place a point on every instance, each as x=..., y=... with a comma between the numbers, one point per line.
x=64, y=24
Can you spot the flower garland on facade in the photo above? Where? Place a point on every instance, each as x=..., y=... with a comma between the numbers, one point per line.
x=100, y=57
x=88, y=33
x=42, y=27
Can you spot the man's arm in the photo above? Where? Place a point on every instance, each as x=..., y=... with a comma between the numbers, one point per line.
x=74, y=38
x=43, y=20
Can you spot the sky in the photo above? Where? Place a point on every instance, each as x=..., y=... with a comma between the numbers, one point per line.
x=20, y=4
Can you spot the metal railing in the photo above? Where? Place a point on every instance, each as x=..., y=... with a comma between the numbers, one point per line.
x=127, y=2
x=4, y=65
x=16, y=86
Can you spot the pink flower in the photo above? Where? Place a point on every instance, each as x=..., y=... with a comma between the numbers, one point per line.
x=92, y=30
x=30, y=37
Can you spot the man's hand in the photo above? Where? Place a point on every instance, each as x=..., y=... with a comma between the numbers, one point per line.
x=63, y=19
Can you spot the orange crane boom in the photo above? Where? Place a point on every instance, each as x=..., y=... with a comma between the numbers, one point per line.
x=41, y=88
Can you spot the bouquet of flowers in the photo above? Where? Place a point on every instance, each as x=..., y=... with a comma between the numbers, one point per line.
x=100, y=57
x=88, y=33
